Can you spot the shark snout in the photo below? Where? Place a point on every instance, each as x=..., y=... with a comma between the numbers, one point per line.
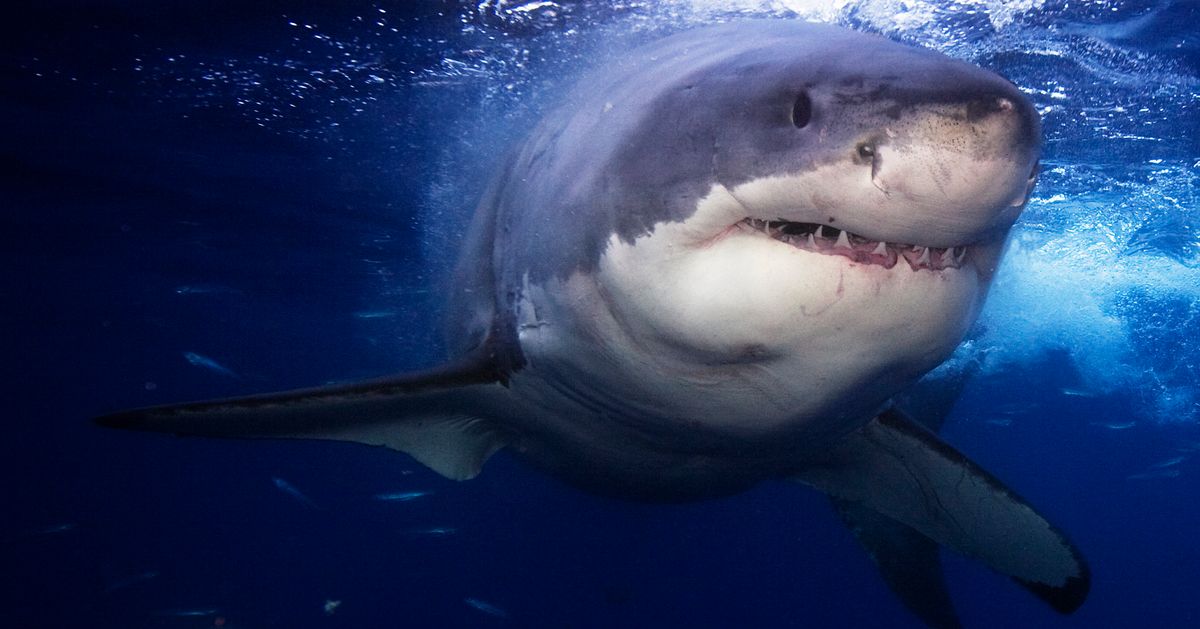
x=962, y=170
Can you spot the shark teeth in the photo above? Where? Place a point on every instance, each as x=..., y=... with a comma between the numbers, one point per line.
x=832, y=241
x=843, y=240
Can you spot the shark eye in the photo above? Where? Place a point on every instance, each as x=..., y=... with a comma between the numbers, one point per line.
x=802, y=111
x=866, y=152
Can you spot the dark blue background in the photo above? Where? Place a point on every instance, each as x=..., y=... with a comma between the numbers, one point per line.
x=116, y=193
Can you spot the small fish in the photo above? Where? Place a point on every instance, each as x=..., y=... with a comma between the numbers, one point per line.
x=291, y=490
x=189, y=612
x=331, y=606
x=437, y=531
x=375, y=314
x=129, y=581
x=486, y=607
x=209, y=364
x=1116, y=425
x=1074, y=392
x=403, y=496
x=1157, y=473
x=1171, y=462
x=999, y=422
x=55, y=529
x=205, y=289
x=1013, y=408
x=45, y=531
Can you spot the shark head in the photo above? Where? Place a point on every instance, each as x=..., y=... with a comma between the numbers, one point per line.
x=807, y=217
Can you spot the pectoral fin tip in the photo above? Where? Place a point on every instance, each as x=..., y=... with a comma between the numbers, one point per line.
x=1065, y=598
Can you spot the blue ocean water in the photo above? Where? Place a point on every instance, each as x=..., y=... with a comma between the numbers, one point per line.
x=227, y=197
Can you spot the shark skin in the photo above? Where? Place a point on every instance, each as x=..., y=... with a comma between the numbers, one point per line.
x=720, y=260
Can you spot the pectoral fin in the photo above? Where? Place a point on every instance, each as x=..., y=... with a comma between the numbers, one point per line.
x=434, y=416
x=908, y=561
x=903, y=471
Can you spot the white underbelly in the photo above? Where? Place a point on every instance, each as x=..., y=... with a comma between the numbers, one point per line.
x=744, y=384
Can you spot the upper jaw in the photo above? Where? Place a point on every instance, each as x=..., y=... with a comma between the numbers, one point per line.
x=835, y=196
x=829, y=240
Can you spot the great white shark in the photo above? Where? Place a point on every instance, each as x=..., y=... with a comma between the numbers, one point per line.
x=719, y=261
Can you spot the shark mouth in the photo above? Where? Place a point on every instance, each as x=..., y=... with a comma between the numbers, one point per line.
x=838, y=242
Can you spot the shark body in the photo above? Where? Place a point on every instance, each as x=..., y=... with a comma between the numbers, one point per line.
x=718, y=262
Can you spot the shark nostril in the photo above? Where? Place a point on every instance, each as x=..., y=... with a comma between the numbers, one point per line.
x=865, y=152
